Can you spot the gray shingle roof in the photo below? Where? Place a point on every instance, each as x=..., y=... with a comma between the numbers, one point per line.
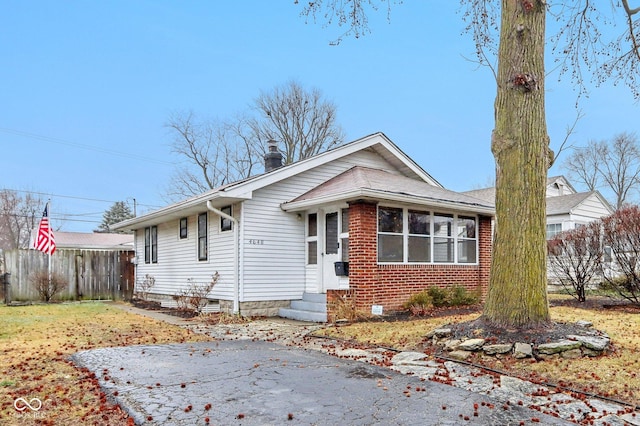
x=560, y=204
x=364, y=178
x=565, y=203
x=93, y=240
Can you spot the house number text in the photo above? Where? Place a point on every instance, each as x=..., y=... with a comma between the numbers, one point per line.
x=256, y=242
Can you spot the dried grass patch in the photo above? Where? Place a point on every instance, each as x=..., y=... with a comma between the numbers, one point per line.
x=35, y=343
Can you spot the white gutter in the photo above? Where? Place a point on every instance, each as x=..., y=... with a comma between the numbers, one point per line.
x=236, y=251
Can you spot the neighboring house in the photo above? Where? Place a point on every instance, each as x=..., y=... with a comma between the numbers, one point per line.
x=566, y=208
x=93, y=241
x=361, y=225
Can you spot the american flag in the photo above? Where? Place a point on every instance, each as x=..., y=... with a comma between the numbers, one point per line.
x=44, y=239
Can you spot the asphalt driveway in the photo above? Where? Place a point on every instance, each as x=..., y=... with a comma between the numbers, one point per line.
x=261, y=383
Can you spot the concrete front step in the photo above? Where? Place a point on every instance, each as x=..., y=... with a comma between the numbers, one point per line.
x=303, y=315
x=315, y=297
x=305, y=305
x=312, y=307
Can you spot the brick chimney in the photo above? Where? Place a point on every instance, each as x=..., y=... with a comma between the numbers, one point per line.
x=273, y=158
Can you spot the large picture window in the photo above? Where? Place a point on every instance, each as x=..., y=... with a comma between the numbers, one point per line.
x=419, y=236
x=202, y=236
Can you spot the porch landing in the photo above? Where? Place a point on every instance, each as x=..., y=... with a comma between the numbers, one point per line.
x=312, y=307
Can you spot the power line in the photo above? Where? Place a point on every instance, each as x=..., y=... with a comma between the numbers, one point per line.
x=48, y=194
x=83, y=146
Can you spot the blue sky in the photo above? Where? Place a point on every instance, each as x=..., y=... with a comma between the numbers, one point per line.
x=87, y=88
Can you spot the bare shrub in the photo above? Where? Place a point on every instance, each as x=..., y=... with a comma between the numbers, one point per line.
x=575, y=258
x=48, y=288
x=144, y=287
x=621, y=232
x=194, y=297
x=345, y=309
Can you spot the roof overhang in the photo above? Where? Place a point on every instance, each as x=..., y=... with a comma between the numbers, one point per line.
x=176, y=211
x=380, y=196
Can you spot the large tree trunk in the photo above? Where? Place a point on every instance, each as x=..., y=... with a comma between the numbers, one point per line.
x=517, y=295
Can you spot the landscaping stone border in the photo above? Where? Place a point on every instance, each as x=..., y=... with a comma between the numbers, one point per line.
x=591, y=343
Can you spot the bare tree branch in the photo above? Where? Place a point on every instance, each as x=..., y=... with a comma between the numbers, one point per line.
x=214, y=153
x=303, y=122
x=570, y=129
x=18, y=216
x=352, y=14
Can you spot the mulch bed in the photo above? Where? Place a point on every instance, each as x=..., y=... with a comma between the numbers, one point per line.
x=155, y=306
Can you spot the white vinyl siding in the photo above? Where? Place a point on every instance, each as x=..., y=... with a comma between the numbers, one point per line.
x=171, y=275
x=276, y=268
x=587, y=211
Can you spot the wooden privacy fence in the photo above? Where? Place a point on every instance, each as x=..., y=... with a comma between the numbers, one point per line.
x=90, y=274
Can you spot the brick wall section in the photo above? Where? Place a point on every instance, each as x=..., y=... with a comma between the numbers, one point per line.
x=391, y=285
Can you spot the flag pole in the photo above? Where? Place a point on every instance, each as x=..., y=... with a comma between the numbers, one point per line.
x=50, y=239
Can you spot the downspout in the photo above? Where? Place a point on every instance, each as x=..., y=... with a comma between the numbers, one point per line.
x=236, y=251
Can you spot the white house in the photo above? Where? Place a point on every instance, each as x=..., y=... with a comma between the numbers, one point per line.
x=566, y=208
x=361, y=224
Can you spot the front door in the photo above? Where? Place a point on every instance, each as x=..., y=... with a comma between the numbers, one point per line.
x=330, y=250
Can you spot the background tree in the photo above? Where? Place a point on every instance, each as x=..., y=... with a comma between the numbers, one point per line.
x=302, y=121
x=611, y=165
x=217, y=152
x=118, y=212
x=18, y=216
x=575, y=258
x=517, y=293
x=582, y=165
x=213, y=153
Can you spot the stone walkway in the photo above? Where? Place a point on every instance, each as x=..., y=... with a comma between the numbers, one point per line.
x=507, y=391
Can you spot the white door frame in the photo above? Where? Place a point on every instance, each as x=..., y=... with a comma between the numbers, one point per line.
x=327, y=278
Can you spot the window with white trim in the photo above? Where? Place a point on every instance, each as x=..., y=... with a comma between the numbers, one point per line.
x=443, y=238
x=419, y=236
x=466, y=235
x=390, y=234
x=312, y=239
x=151, y=244
x=344, y=234
x=183, y=228
x=225, y=223
x=553, y=229
x=202, y=236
